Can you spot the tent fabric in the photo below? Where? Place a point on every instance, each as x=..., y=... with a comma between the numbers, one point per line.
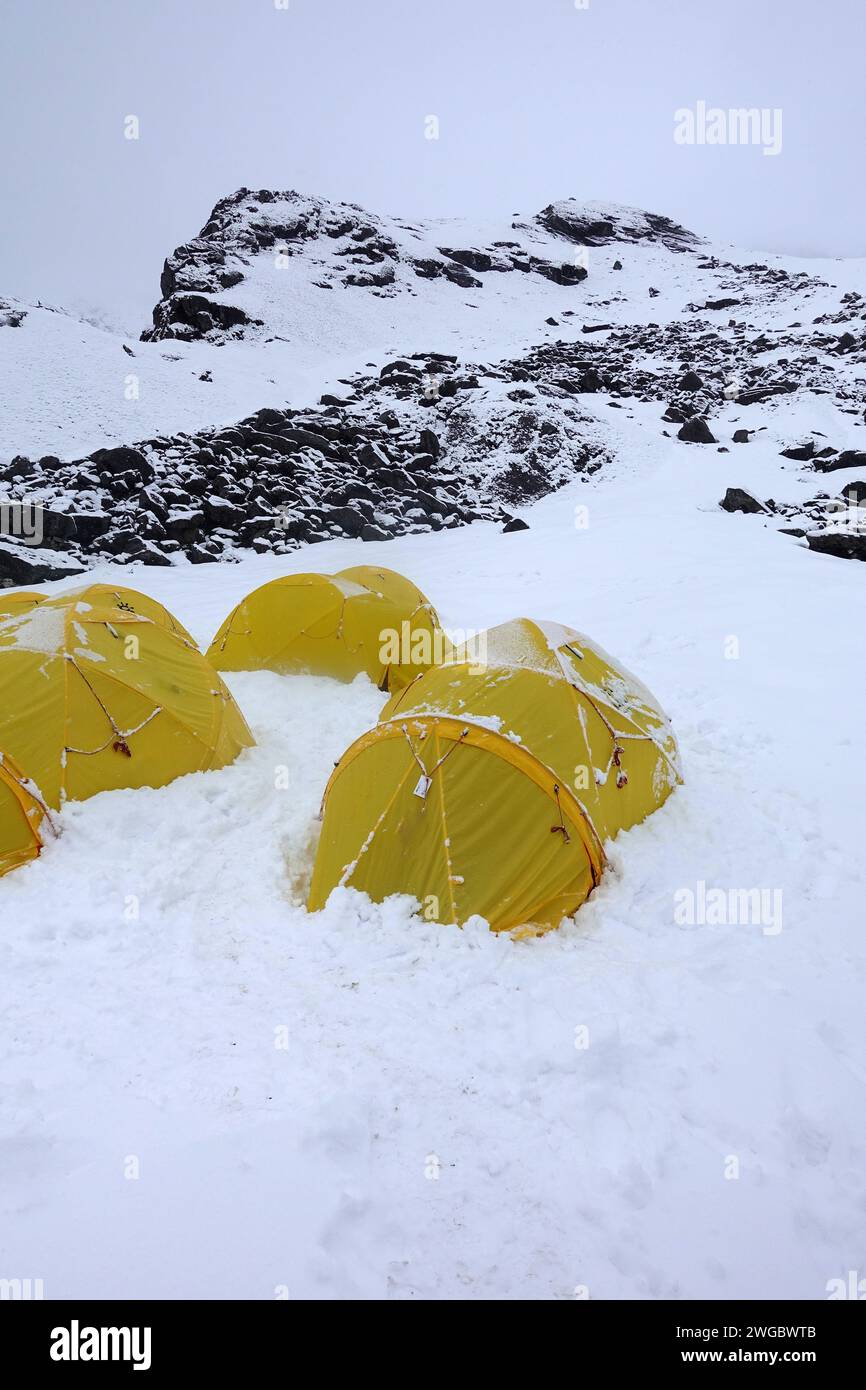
x=96, y=695
x=492, y=783
x=22, y=600
x=130, y=600
x=18, y=600
x=362, y=619
x=22, y=817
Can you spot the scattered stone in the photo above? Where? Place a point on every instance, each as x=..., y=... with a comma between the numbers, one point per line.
x=801, y=453
x=696, y=431
x=754, y=395
x=736, y=499
x=691, y=382
x=849, y=458
x=848, y=545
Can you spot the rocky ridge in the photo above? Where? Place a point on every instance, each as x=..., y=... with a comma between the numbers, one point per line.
x=429, y=440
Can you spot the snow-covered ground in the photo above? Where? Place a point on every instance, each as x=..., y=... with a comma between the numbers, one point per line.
x=209, y=1092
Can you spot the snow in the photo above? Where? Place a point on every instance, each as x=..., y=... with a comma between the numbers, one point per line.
x=38, y=630
x=359, y=1103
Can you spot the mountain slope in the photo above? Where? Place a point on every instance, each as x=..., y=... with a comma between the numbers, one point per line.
x=315, y=370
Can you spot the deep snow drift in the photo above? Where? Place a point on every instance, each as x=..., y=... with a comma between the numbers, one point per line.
x=209, y=1092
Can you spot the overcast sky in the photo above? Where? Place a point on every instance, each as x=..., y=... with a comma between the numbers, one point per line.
x=536, y=100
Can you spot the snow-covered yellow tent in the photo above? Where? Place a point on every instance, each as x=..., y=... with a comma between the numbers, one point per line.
x=18, y=601
x=491, y=784
x=22, y=817
x=361, y=619
x=129, y=600
x=95, y=694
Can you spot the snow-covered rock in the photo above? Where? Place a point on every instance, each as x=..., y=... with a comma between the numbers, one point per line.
x=301, y=379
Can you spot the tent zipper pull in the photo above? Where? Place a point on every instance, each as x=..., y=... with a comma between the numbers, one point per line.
x=560, y=829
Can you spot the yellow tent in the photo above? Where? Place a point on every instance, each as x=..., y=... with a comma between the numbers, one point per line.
x=491, y=784
x=22, y=600
x=131, y=601
x=361, y=619
x=18, y=601
x=95, y=695
x=22, y=815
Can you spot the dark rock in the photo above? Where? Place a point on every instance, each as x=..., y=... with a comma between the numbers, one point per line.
x=23, y=565
x=307, y=439
x=58, y=527
x=350, y=521
x=123, y=459
x=373, y=456
x=459, y=275
x=690, y=382
x=152, y=555
x=849, y=458
x=741, y=436
x=472, y=260
x=191, y=316
x=428, y=443
x=151, y=501
x=515, y=523
x=20, y=467
x=736, y=499
x=123, y=543
x=754, y=395
x=563, y=273
x=218, y=511
x=848, y=545
x=696, y=431
x=89, y=526
x=185, y=524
